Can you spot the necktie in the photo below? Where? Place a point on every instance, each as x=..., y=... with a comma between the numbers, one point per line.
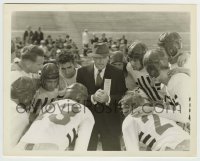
x=99, y=80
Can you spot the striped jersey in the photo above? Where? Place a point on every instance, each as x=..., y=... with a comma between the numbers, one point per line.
x=158, y=133
x=154, y=90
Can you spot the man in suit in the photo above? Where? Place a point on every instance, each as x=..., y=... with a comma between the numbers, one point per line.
x=106, y=85
x=38, y=36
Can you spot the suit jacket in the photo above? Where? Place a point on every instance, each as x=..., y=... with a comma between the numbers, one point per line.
x=106, y=117
x=38, y=37
x=28, y=37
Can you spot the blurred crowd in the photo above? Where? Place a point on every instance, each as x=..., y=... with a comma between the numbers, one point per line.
x=52, y=47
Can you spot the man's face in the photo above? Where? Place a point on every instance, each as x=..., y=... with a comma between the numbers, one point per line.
x=34, y=67
x=173, y=47
x=68, y=69
x=118, y=65
x=178, y=44
x=100, y=62
x=50, y=84
x=163, y=77
x=135, y=63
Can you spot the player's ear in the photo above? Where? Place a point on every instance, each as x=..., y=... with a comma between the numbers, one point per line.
x=80, y=98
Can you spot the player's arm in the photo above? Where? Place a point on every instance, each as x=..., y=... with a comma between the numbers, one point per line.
x=179, y=70
x=84, y=131
x=183, y=58
x=36, y=106
x=130, y=134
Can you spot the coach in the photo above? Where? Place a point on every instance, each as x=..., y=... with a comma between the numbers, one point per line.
x=106, y=85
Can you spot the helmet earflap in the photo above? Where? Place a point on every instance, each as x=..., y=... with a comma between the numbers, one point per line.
x=49, y=71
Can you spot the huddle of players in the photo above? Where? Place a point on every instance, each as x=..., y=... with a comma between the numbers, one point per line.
x=161, y=80
x=158, y=111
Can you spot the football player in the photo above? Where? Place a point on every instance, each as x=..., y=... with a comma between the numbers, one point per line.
x=52, y=88
x=30, y=63
x=157, y=133
x=171, y=42
x=64, y=122
x=66, y=62
x=154, y=89
x=22, y=92
x=135, y=68
x=178, y=86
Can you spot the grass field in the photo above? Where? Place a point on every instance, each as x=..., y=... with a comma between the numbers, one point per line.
x=142, y=26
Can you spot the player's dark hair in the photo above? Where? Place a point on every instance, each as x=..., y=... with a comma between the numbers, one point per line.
x=133, y=99
x=23, y=86
x=31, y=52
x=65, y=57
x=80, y=92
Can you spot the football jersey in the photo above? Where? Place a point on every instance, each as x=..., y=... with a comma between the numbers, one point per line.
x=61, y=123
x=44, y=97
x=17, y=72
x=186, y=65
x=18, y=123
x=179, y=88
x=153, y=90
x=156, y=133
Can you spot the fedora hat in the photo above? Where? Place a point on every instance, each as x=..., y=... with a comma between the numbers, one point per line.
x=100, y=50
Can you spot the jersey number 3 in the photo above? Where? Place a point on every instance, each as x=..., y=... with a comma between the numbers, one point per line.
x=160, y=129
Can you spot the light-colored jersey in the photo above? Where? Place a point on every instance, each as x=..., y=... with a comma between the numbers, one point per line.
x=64, y=121
x=187, y=63
x=155, y=132
x=179, y=88
x=153, y=90
x=17, y=72
x=18, y=123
